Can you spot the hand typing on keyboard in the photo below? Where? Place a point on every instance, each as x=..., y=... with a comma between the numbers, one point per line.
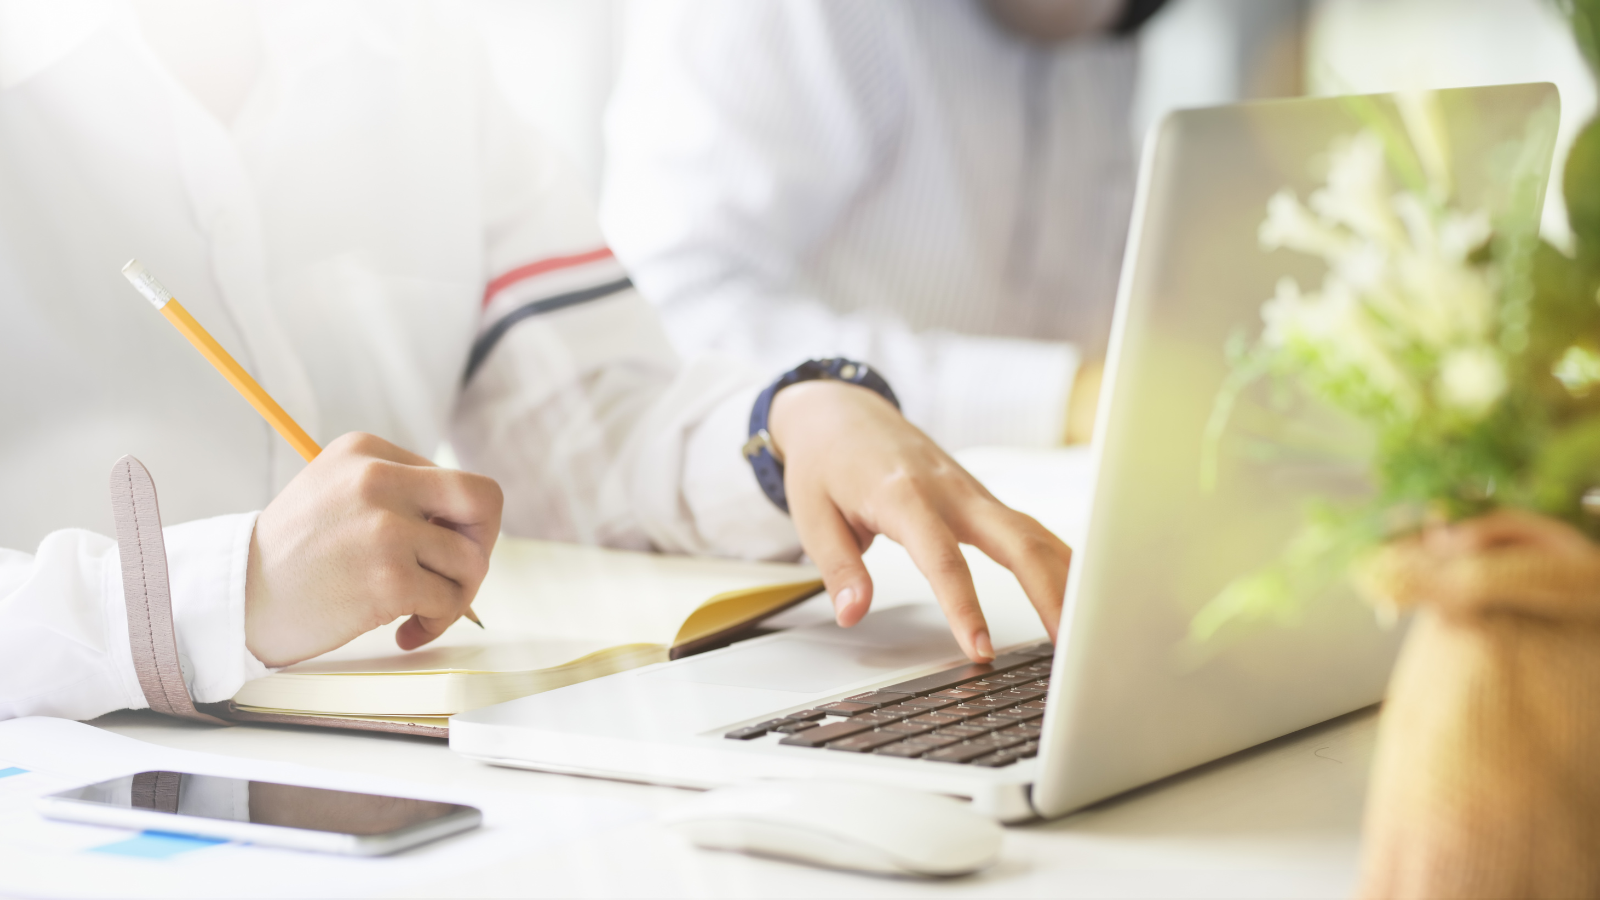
x=855, y=468
x=983, y=714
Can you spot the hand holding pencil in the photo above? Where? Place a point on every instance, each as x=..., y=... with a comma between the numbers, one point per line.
x=367, y=533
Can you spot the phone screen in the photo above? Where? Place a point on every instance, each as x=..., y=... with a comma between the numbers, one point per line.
x=262, y=803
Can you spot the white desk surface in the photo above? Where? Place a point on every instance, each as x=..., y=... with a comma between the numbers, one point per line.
x=1281, y=820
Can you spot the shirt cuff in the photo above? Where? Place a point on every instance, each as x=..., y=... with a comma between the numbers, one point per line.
x=731, y=513
x=1001, y=391
x=206, y=565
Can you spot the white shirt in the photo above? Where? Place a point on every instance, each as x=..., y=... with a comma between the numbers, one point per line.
x=898, y=181
x=369, y=219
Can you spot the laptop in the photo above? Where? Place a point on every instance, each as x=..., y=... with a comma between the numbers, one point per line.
x=1123, y=698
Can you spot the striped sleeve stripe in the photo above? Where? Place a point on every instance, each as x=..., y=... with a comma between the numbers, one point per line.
x=486, y=342
x=543, y=266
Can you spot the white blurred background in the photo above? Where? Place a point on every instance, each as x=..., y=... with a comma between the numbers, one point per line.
x=557, y=59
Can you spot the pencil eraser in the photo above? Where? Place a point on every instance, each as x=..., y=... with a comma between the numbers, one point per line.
x=146, y=284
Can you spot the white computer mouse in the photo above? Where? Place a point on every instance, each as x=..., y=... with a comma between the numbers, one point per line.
x=843, y=825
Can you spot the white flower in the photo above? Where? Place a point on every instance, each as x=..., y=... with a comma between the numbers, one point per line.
x=1358, y=192
x=1335, y=327
x=1283, y=314
x=1460, y=235
x=1290, y=225
x=1471, y=379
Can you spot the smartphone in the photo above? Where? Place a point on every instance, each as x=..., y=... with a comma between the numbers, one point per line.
x=262, y=812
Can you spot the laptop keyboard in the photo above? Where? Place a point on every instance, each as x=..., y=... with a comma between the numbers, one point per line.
x=981, y=714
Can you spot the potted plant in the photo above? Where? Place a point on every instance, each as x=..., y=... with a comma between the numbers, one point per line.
x=1471, y=349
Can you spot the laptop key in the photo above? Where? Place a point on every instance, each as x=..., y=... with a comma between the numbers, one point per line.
x=996, y=760
x=1021, y=694
x=949, y=678
x=1026, y=751
x=939, y=681
x=990, y=723
x=902, y=710
x=878, y=698
x=964, y=712
x=1018, y=714
x=846, y=708
x=805, y=715
x=749, y=732
x=959, y=753
x=917, y=746
x=1034, y=704
x=1041, y=650
x=963, y=731
x=865, y=742
x=902, y=749
x=997, y=740
x=793, y=727
x=907, y=727
x=933, y=741
x=987, y=703
x=822, y=734
x=927, y=704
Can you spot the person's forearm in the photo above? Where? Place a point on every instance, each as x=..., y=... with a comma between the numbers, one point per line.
x=964, y=390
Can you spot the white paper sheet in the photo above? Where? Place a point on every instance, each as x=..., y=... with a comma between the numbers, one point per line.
x=43, y=858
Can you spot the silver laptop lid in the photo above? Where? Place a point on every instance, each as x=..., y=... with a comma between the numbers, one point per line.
x=1132, y=701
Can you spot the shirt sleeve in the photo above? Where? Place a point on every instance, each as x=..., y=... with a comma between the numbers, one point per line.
x=739, y=133
x=64, y=627
x=575, y=401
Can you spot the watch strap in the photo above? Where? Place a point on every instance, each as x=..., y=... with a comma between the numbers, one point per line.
x=765, y=458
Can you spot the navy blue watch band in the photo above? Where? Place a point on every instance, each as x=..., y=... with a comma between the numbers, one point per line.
x=759, y=449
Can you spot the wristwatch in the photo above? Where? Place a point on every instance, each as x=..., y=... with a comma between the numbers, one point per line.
x=763, y=454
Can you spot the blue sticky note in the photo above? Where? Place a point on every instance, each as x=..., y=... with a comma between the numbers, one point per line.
x=157, y=845
x=7, y=773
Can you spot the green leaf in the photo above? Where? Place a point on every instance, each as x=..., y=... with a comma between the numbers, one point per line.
x=1581, y=185
x=1568, y=464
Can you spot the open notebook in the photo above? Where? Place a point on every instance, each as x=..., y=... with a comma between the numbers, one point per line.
x=556, y=614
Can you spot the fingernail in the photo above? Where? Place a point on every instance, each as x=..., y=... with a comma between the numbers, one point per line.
x=843, y=600
x=980, y=643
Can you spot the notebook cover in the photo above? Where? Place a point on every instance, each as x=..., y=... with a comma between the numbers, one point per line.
x=233, y=713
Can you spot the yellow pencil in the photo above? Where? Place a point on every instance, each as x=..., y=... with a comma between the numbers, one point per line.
x=162, y=299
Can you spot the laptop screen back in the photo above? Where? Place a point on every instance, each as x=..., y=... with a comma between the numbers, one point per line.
x=1134, y=700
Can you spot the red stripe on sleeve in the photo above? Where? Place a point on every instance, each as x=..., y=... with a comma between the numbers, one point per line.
x=554, y=263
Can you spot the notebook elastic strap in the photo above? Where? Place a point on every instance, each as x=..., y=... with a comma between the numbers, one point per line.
x=146, y=592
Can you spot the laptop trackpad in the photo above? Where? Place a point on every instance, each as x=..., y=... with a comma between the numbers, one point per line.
x=823, y=663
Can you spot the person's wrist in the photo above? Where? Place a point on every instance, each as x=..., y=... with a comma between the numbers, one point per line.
x=263, y=636
x=804, y=409
x=254, y=589
x=761, y=449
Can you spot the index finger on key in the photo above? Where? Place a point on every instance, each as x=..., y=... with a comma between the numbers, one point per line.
x=937, y=553
x=1039, y=560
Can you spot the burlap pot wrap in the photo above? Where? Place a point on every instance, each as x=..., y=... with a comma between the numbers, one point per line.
x=1486, y=781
